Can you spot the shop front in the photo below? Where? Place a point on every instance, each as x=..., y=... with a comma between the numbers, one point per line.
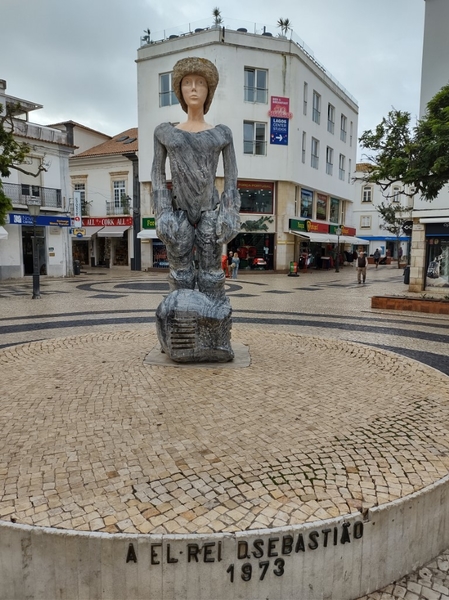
x=437, y=254
x=318, y=244
x=104, y=240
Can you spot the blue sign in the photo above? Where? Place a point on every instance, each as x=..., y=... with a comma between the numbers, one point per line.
x=279, y=131
x=41, y=220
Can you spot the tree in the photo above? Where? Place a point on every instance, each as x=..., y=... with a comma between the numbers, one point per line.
x=12, y=154
x=218, y=20
x=285, y=25
x=415, y=156
x=394, y=216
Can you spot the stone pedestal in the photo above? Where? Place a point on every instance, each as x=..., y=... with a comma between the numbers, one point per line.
x=192, y=327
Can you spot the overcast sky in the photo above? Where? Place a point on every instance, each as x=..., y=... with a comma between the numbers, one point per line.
x=76, y=57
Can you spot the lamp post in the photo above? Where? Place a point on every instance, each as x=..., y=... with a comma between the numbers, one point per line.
x=34, y=210
x=337, y=257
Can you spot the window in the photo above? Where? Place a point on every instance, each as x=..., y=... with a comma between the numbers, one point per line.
x=306, y=203
x=321, y=207
x=31, y=190
x=335, y=210
x=365, y=222
x=315, y=153
x=329, y=160
x=167, y=96
x=119, y=191
x=305, y=95
x=343, y=128
x=316, y=112
x=349, y=171
x=351, y=127
x=341, y=167
x=257, y=197
x=254, y=138
x=367, y=193
x=256, y=88
x=303, y=148
x=396, y=193
x=330, y=118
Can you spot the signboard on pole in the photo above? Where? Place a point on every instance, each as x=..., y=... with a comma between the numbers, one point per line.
x=77, y=209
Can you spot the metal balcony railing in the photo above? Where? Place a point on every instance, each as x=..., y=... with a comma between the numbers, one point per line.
x=113, y=208
x=24, y=193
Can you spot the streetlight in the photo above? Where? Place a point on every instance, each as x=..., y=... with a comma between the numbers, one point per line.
x=34, y=210
x=337, y=258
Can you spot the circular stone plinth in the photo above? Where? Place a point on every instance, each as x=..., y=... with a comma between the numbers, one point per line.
x=94, y=439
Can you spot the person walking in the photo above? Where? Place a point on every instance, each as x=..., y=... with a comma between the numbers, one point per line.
x=376, y=257
x=235, y=265
x=361, y=267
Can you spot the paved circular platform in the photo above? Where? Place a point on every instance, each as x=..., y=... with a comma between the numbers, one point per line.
x=94, y=439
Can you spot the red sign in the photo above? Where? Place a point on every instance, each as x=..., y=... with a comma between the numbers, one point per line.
x=107, y=221
x=255, y=185
x=316, y=227
x=280, y=107
x=348, y=231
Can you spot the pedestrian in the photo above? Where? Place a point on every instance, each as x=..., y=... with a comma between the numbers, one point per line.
x=235, y=265
x=224, y=265
x=361, y=268
x=230, y=255
x=376, y=257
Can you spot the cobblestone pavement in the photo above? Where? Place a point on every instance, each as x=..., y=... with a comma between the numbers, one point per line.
x=327, y=305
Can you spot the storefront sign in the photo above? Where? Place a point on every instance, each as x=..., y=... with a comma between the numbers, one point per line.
x=107, y=221
x=279, y=131
x=344, y=230
x=280, y=108
x=148, y=223
x=306, y=225
x=41, y=220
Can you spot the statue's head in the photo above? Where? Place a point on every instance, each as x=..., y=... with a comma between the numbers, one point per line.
x=193, y=65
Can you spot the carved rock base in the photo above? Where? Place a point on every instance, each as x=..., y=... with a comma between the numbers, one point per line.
x=192, y=327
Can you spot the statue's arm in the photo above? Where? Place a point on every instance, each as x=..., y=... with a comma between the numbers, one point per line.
x=228, y=222
x=166, y=224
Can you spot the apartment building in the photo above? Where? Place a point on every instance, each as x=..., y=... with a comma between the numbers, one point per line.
x=295, y=136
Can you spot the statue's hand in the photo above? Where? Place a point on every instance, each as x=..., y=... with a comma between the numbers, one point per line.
x=228, y=220
x=167, y=227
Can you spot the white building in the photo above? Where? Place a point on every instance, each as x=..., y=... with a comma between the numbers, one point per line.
x=51, y=189
x=104, y=177
x=368, y=220
x=295, y=135
x=430, y=244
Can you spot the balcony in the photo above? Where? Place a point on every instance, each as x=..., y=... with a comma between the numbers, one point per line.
x=23, y=193
x=121, y=207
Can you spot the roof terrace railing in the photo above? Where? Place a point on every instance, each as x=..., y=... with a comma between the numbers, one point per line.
x=241, y=27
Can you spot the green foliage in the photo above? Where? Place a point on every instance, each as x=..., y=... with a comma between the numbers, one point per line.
x=415, y=156
x=216, y=13
x=284, y=25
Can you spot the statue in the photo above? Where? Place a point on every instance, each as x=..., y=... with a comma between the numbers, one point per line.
x=194, y=325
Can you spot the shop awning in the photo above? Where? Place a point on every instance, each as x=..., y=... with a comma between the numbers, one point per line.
x=350, y=239
x=147, y=234
x=3, y=234
x=328, y=238
x=113, y=231
x=90, y=231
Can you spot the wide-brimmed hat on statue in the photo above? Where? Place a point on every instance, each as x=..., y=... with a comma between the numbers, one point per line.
x=193, y=65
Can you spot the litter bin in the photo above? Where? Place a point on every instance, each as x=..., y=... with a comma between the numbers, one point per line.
x=293, y=269
x=407, y=275
x=76, y=267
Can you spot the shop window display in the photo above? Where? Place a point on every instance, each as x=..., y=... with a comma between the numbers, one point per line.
x=256, y=197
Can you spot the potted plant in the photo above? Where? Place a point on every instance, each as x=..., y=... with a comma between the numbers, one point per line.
x=285, y=25
x=218, y=20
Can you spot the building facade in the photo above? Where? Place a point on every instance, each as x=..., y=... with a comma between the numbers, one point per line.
x=430, y=239
x=295, y=136
x=103, y=187
x=368, y=220
x=50, y=188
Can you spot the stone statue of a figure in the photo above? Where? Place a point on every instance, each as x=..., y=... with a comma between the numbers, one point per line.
x=194, y=221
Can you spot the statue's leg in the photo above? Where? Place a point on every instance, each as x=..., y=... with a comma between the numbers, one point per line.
x=180, y=255
x=211, y=278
